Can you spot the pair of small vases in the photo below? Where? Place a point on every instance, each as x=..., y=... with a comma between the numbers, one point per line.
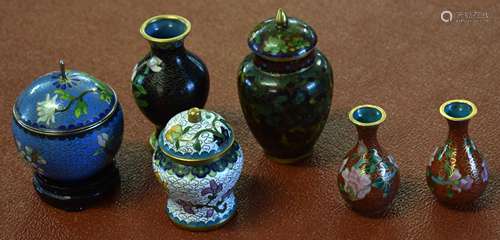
x=369, y=176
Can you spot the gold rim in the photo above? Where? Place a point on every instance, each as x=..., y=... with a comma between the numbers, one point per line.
x=201, y=161
x=471, y=104
x=53, y=132
x=146, y=36
x=356, y=122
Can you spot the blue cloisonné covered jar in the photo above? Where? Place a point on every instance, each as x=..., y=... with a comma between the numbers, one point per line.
x=68, y=126
x=199, y=162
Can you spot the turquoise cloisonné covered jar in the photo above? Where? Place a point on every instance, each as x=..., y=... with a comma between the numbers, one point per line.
x=285, y=88
x=68, y=126
x=199, y=162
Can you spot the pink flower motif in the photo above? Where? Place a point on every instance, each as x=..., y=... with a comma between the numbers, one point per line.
x=484, y=173
x=456, y=175
x=357, y=184
x=466, y=183
x=458, y=183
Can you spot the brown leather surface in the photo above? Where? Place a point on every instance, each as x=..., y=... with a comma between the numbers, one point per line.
x=396, y=54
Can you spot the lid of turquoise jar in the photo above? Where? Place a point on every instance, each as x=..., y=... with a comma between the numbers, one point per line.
x=282, y=38
x=64, y=102
x=196, y=137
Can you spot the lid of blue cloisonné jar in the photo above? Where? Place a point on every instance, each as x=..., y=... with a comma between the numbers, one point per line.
x=64, y=102
x=282, y=38
x=196, y=137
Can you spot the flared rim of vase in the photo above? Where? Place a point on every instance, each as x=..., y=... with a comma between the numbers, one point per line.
x=374, y=121
x=175, y=38
x=458, y=109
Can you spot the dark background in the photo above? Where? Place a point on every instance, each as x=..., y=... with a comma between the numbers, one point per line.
x=396, y=54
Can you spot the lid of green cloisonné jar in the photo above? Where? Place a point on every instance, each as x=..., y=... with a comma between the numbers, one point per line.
x=64, y=102
x=282, y=38
x=196, y=137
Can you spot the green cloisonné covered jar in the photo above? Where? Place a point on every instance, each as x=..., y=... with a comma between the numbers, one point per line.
x=285, y=87
x=199, y=162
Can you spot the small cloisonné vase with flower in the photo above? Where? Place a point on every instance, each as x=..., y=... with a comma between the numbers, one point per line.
x=68, y=126
x=285, y=88
x=369, y=177
x=199, y=162
x=457, y=174
x=169, y=79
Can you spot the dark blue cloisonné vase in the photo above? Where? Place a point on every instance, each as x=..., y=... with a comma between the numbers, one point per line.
x=169, y=79
x=285, y=88
x=68, y=126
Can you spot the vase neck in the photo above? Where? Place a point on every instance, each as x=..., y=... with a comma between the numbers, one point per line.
x=368, y=135
x=159, y=49
x=458, y=129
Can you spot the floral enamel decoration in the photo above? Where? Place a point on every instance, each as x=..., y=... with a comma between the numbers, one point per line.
x=358, y=181
x=193, y=172
x=154, y=63
x=357, y=184
x=173, y=134
x=72, y=79
x=453, y=179
x=46, y=110
x=211, y=192
x=32, y=157
x=62, y=101
x=102, y=141
x=179, y=136
x=277, y=45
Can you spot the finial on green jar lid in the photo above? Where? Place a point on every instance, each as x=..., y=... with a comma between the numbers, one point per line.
x=194, y=115
x=281, y=18
x=63, y=69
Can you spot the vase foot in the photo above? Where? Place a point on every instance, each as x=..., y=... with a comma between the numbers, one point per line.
x=78, y=195
x=198, y=221
x=290, y=160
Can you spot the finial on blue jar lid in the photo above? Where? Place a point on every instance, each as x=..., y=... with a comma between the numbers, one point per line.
x=63, y=69
x=281, y=18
